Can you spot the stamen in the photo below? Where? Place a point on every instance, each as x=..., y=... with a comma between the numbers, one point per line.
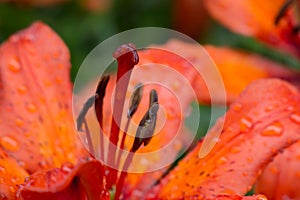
x=100, y=91
x=146, y=128
x=89, y=138
x=282, y=11
x=134, y=102
x=86, y=106
x=127, y=57
x=147, y=125
x=81, y=120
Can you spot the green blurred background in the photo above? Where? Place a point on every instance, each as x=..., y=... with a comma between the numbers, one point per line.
x=85, y=23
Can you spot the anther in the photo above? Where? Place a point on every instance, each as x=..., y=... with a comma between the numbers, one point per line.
x=135, y=100
x=147, y=125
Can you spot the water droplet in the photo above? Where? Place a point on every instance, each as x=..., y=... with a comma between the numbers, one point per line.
x=22, y=89
x=250, y=160
x=245, y=173
x=273, y=169
x=275, y=129
x=19, y=122
x=67, y=167
x=42, y=164
x=14, y=65
x=9, y=144
x=58, y=80
x=270, y=107
x=222, y=160
x=2, y=169
x=295, y=118
x=235, y=150
x=237, y=107
x=12, y=189
x=31, y=108
x=245, y=124
x=47, y=83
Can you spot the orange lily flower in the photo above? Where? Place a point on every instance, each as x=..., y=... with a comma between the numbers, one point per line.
x=255, y=129
x=36, y=118
x=36, y=106
x=274, y=22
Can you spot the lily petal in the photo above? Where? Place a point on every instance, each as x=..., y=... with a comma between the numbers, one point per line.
x=11, y=174
x=259, y=121
x=257, y=19
x=281, y=178
x=69, y=182
x=36, y=123
x=236, y=197
x=237, y=68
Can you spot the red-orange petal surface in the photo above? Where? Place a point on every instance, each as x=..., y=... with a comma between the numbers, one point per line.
x=11, y=174
x=236, y=197
x=257, y=19
x=36, y=122
x=281, y=178
x=85, y=180
x=256, y=127
x=237, y=68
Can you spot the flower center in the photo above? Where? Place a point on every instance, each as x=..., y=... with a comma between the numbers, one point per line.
x=127, y=57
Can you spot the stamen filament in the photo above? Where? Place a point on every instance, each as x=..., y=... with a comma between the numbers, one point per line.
x=146, y=128
x=100, y=91
x=134, y=103
x=127, y=58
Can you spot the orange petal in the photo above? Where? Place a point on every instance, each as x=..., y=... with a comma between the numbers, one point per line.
x=256, y=127
x=11, y=174
x=236, y=197
x=237, y=68
x=36, y=120
x=257, y=19
x=281, y=178
x=85, y=180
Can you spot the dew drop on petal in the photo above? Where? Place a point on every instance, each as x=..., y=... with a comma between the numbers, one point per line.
x=237, y=107
x=273, y=169
x=31, y=108
x=245, y=124
x=67, y=167
x=22, y=89
x=14, y=65
x=270, y=107
x=222, y=160
x=274, y=129
x=9, y=144
x=295, y=118
x=2, y=169
x=235, y=150
x=19, y=122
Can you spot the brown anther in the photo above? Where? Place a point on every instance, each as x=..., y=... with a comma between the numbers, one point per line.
x=86, y=106
x=100, y=91
x=147, y=125
x=135, y=100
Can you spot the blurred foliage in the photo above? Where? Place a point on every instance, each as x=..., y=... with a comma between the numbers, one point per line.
x=83, y=30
